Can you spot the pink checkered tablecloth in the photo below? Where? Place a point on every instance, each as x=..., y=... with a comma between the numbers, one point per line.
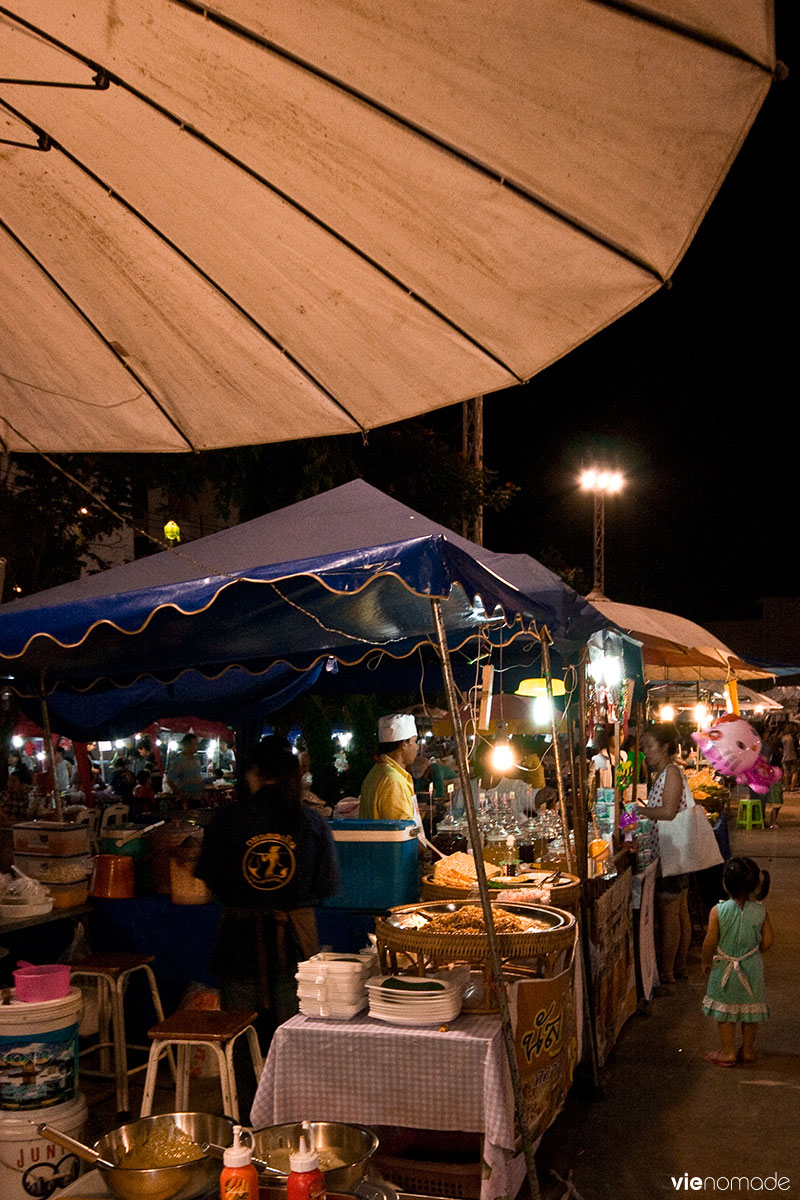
x=367, y=1072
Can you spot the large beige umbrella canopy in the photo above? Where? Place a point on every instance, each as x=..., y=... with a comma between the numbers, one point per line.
x=674, y=648
x=261, y=221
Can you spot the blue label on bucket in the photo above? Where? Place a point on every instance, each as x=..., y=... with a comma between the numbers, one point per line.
x=40, y=1070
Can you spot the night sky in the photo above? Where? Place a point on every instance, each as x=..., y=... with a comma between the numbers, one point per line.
x=694, y=396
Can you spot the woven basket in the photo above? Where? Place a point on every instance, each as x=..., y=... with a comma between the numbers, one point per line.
x=474, y=947
x=564, y=895
x=462, y=1181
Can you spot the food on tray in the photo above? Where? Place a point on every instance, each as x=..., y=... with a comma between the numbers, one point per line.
x=329, y=1160
x=166, y=1146
x=469, y=919
x=458, y=870
x=704, y=786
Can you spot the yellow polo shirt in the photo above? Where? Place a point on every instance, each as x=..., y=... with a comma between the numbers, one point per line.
x=387, y=793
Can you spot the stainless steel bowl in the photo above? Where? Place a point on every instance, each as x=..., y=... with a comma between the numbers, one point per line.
x=354, y=1144
x=185, y=1181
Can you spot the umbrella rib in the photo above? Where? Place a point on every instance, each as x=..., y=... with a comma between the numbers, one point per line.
x=97, y=332
x=631, y=9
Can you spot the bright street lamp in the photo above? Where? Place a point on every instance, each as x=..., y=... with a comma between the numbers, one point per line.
x=601, y=483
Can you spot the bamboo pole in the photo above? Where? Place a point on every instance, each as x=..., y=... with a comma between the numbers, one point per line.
x=544, y=638
x=486, y=903
x=583, y=872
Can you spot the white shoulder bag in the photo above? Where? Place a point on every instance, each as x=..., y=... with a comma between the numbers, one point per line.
x=687, y=842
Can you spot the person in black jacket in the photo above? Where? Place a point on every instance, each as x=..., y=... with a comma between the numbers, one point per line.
x=270, y=860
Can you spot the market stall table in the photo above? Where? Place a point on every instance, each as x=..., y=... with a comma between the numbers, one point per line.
x=371, y=1073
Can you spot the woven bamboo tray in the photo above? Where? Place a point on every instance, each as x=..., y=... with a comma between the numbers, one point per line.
x=566, y=892
x=445, y=947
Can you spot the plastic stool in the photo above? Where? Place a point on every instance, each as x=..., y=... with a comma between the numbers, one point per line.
x=217, y=1030
x=750, y=814
x=111, y=973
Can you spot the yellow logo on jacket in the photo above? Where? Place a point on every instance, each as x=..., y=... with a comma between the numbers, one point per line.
x=269, y=861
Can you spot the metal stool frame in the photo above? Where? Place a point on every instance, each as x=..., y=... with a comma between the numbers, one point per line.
x=222, y=1041
x=111, y=975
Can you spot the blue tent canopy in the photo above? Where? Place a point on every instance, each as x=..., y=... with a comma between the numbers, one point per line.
x=238, y=639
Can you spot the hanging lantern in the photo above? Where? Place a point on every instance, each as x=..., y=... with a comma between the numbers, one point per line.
x=172, y=532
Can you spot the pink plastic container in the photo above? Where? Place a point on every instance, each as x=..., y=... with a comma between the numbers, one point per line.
x=35, y=984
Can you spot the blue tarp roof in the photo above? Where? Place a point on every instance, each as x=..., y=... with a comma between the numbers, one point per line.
x=241, y=635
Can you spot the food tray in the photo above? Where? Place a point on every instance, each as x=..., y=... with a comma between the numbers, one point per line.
x=394, y=934
x=565, y=891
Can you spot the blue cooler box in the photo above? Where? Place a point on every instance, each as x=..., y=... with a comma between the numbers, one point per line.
x=378, y=863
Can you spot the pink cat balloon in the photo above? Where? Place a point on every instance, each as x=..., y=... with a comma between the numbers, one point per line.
x=734, y=748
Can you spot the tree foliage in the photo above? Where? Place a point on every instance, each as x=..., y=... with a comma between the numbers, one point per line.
x=45, y=536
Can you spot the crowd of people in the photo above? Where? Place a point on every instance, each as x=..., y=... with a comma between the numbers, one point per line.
x=136, y=777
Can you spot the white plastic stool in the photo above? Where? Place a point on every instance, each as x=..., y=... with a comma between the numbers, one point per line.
x=219, y=1031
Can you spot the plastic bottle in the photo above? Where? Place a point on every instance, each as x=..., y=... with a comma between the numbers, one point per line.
x=239, y=1178
x=306, y=1181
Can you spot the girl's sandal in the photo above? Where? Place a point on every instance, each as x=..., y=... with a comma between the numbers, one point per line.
x=716, y=1059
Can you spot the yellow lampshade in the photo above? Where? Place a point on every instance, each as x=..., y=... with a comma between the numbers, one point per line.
x=538, y=687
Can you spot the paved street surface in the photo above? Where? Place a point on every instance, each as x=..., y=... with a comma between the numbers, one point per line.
x=665, y=1112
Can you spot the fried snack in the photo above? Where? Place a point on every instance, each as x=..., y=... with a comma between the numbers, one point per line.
x=458, y=870
x=166, y=1146
x=469, y=919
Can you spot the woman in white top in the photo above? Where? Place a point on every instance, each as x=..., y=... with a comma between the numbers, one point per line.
x=666, y=798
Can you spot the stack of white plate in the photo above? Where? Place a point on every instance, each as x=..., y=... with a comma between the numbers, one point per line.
x=332, y=985
x=414, y=1000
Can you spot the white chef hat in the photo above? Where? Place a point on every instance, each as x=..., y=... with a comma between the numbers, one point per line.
x=396, y=727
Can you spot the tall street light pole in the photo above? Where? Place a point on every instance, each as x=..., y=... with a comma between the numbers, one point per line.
x=601, y=483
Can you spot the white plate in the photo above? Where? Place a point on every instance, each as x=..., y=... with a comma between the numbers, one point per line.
x=428, y=1012
x=392, y=996
x=395, y=1020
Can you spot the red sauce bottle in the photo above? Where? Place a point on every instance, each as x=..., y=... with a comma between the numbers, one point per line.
x=239, y=1178
x=306, y=1181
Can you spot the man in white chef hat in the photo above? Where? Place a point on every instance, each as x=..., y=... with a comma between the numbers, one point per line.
x=388, y=791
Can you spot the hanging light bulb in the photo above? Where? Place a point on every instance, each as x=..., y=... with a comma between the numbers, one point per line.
x=666, y=713
x=502, y=758
x=542, y=710
x=701, y=715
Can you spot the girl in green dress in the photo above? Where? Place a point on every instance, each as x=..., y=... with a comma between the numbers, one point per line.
x=739, y=930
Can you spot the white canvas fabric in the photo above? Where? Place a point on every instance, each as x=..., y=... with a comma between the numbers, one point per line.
x=313, y=217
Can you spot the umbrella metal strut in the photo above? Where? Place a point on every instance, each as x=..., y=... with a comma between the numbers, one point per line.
x=486, y=903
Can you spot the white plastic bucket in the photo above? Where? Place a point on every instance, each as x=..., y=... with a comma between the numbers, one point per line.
x=39, y=1052
x=32, y=1166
